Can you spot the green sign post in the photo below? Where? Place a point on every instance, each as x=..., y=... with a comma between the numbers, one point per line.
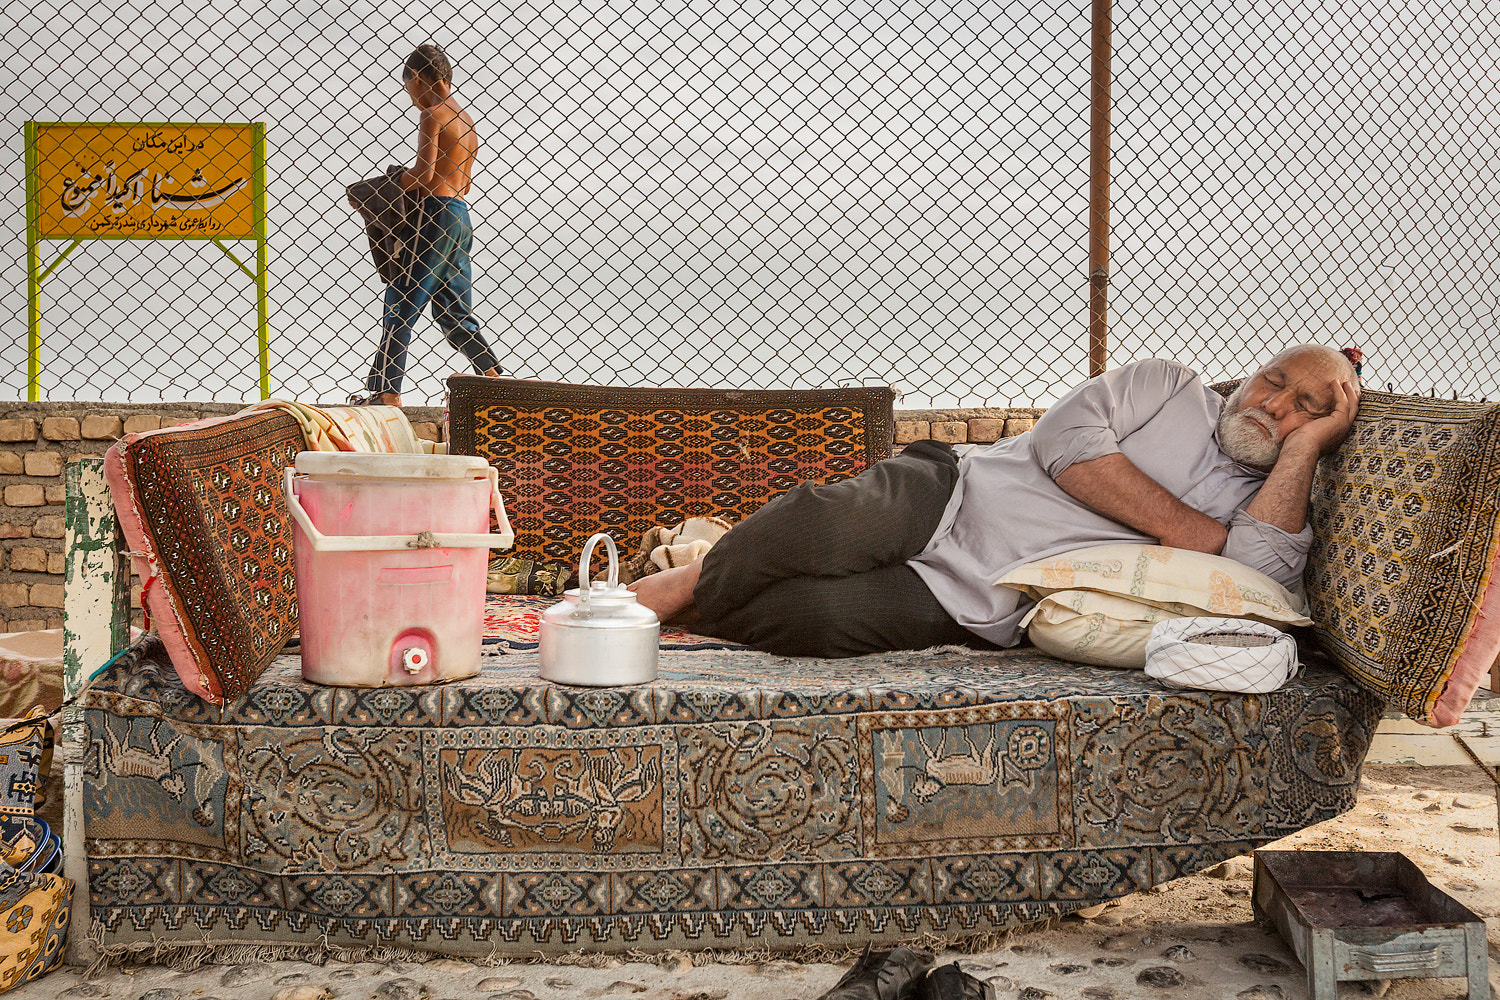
x=144, y=181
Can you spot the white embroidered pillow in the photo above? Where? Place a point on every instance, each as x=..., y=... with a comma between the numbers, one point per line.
x=1177, y=580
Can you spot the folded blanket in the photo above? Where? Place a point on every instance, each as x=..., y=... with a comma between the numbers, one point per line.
x=350, y=428
x=662, y=547
x=666, y=546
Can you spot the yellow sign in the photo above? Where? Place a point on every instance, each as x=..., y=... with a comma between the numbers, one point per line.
x=151, y=181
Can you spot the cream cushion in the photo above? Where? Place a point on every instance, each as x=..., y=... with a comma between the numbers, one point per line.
x=1098, y=605
x=1085, y=626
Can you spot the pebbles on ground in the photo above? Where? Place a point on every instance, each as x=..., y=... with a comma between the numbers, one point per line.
x=498, y=983
x=780, y=969
x=239, y=975
x=402, y=989
x=1259, y=992
x=1234, y=868
x=1162, y=977
x=303, y=992
x=1466, y=826
x=1120, y=916
x=83, y=990
x=1125, y=941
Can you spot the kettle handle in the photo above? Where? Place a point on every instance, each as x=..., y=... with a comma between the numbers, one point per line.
x=583, y=570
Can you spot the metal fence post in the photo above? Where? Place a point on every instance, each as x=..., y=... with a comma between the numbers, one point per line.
x=1099, y=96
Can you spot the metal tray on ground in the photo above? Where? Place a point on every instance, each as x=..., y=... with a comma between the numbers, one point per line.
x=1353, y=915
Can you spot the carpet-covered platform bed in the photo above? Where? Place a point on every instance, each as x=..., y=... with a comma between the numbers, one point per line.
x=742, y=799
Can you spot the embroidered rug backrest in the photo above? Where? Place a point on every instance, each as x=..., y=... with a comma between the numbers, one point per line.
x=577, y=459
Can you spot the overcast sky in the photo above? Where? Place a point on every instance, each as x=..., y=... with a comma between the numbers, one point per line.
x=798, y=194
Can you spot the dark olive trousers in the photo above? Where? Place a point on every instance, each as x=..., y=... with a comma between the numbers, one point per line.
x=821, y=570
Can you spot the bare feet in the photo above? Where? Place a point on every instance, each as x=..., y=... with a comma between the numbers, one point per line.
x=670, y=592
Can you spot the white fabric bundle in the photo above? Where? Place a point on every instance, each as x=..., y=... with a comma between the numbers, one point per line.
x=1221, y=654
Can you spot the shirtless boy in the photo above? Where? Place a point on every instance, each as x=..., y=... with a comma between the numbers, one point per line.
x=440, y=269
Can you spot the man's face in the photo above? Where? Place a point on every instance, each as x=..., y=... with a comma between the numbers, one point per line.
x=1280, y=397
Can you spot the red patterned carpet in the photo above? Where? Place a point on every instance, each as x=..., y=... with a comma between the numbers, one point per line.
x=515, y=623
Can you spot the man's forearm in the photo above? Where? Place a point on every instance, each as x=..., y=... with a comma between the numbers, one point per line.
x=1115, y=487
x=1282, y=501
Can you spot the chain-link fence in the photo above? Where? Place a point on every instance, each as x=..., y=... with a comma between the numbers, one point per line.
x=793, y=194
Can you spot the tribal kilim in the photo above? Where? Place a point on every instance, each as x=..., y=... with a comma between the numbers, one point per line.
x=740, y=801
x=1407, y=520
x=578, y=459
x=203, y=505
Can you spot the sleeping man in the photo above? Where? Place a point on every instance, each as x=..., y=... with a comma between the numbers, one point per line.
x=905, y=555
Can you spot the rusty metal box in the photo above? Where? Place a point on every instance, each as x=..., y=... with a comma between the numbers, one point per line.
x=1367, y=915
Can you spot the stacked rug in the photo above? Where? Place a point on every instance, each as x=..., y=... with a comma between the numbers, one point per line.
x=742, y=800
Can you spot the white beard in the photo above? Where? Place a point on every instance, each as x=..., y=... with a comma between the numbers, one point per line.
x=1242, y=440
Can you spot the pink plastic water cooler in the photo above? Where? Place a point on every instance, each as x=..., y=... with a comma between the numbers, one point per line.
x=391, y=553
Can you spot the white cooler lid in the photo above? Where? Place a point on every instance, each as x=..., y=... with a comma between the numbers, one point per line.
x=383, y=465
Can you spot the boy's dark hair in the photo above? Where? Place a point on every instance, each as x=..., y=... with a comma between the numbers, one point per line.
x=429, y=61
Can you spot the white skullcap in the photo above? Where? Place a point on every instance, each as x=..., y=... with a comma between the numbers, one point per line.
x=1221, y=654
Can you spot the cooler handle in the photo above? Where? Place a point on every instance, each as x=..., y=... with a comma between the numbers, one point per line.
x=396, y=543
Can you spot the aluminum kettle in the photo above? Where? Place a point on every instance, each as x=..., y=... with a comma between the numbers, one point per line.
x=598, y=635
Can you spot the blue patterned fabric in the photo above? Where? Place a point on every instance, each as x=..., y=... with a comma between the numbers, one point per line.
x=742, y=800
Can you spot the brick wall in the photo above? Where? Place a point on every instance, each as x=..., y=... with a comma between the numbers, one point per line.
x=38, y=439
x=961, y=426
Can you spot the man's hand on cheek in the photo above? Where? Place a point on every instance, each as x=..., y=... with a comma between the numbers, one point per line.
x=1323, y=434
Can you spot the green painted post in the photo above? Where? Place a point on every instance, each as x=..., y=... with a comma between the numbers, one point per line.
x=33, y=272
x=96, y=626
x=263, y=306
x=262, y=279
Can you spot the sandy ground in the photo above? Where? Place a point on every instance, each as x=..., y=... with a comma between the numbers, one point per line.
x=1193, y=938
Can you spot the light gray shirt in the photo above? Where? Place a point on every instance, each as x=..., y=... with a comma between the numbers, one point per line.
x=1007, y=510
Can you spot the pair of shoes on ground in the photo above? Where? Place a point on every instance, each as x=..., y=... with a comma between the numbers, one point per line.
x=906, y=974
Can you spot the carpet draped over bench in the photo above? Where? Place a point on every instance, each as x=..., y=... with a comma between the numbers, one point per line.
x=742, y=800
